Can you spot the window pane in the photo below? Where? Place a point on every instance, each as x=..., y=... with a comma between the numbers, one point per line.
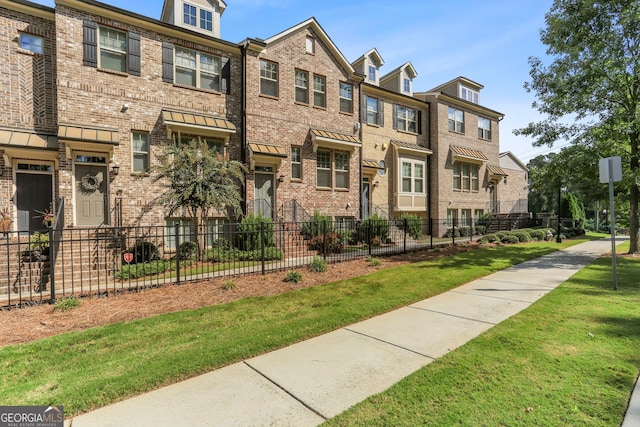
x=31, y=43
x=324, y=178
x=372, y=110
x=324, y=159
x=302, y=86
x=268, y=78
x=189, y=14
x=185, y=77
x=140, y=162
x=346, y=98
x=296, y=171
x=418, y=186
x=206, y=20
x=185, y=58
x=342, y=179
x=319, y=89
x=113, y=61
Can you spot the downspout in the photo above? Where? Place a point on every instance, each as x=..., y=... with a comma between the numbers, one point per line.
x=243, y=119
x=429, y=167
x=361, y=186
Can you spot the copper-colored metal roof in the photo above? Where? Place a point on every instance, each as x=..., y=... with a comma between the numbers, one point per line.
x=199, y=120
x=335, y=136
x=496, y=170
x=468, y=152
x=27, y=139
x=89, y=134
x=411, y=146
x=267, y=149
x=373, y=164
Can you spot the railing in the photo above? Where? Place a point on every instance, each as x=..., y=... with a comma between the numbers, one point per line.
x=261, y=207
x=55, y=236
x=292, y=211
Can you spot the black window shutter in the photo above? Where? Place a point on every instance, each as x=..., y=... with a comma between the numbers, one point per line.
x=225, y=84
x=363, y=109
x=167, y=62
x=380, y=112
x=420, y=122
x=134, y=54
x=395, y=116
x=90, y=44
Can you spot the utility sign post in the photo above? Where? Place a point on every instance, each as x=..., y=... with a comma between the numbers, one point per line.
x=610, y=172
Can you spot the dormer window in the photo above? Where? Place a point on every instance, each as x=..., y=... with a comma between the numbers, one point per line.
x=406, y=85
x=372, y=73
x=206, y=20
x=469, y=95
x=190, y=14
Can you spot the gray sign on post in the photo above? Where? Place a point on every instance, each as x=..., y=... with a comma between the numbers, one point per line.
x=610, y=172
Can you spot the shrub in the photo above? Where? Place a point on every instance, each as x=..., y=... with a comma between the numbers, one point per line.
x=509, y=238
x=249, y=236
x=502, y=234
x=293, y=276
x=144, y=252
x=410, y=224
x=66, y=304
x=134, y=271
x=538, y=234
x=522, y=236
x=317, y=225
x=481, y=229
x=318, y=265
x=464, y=231
x=229, y=284
x=373, y=228
x=489, y=238
x=187, y=250
x=374, y=262
x=450, y=233
x=333, y=243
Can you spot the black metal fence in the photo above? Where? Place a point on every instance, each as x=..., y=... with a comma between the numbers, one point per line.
x=61, y=262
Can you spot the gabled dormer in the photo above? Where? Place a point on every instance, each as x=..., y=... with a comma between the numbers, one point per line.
x=461, y=87
x=202, y=16
x=400, y=80
x=369, y=65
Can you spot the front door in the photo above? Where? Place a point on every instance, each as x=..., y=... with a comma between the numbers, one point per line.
x=91, y=193
x=366, y=201
x=263, y=199
x=33, y=196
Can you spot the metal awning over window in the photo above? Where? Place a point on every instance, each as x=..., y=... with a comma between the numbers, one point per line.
x=198, y=124
x=412, y=148
x=340, y=141
x=495, y=173
x=372, y=164
x=89, y=134
x=467, y=155
x=22, y=138
x=263, y=153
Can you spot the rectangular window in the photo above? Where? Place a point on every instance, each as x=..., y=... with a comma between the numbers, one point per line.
x=372, y=73
x=484, y=128
x=268, y=78
x=302, y=86
x=412, y=179
x=465, y=218
x=465, y=177
x=319, y=91
x=477, y=214
x=346, y=98
x=189, y=16
x=140, y=148
x=113, y=50
x=342, y=169
x=372, y=110
x=31, y=43
x=406, y=119
x=456, y=120
x=452, y=217
x=310, y=45
x=206, y=20
x=296, y=162
x=215, y=144
x=216, y=228
x=407, y=85
x=469, y=95
x=197, y=69
x=323, y=168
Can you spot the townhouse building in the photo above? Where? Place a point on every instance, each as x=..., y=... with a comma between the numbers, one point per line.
x=514, y=198
x=92, y=94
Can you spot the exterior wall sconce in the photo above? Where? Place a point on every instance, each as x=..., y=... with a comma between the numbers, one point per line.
x=116, y=169
x=376, y=183
x=281, y=178
x=124, y=108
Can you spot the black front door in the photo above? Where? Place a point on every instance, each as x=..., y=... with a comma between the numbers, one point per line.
x=33, y=195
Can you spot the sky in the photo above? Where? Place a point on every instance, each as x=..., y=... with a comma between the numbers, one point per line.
x=489, y=42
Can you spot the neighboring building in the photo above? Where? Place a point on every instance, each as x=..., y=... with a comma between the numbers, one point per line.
x=466, y=178
x=514, y=198
x=302, y=126
x=395, y=141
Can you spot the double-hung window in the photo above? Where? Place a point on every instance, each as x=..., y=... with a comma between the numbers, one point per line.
x=484, y=128
x=406, y=85
x=412, y=178
x=346, y=98
x=323, y=173
x=113, y=50
x=189, y=14
x=268, y=78
x=342, y=169
x=140, y=148
x=319, y=91
x=31, y=43
x=372, y=74
x=197, y=69
x=372, y=110
x=465, y=177
x=296, y=162
x=406, y=119
x=332, y=168
x=302, y=86
x=206, y=20
x=456, y=120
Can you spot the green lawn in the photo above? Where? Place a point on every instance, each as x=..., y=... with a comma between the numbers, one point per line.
x=89, y=369
x=571, y=359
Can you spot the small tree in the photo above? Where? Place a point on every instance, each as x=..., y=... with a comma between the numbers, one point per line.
x=197, y=180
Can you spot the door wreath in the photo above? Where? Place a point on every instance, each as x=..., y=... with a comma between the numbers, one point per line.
x=90, y=183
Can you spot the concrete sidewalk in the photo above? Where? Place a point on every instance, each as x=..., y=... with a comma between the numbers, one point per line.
x=309, y=382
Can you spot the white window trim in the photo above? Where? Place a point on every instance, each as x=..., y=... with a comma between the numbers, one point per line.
x=413, y=177
x=455, y=121
x=341, y=98
x=486, y=132
x=333, y=170
x=293, y=162
x=276, y=71
x=102, y=48
x=33, y=37
x=470, y=178
x=376, y=111
x=146, y=154
x=297, y=87
x=199, y=18
x=403, y=121
x=196, y=14
x=322, y=91
x=199, y=71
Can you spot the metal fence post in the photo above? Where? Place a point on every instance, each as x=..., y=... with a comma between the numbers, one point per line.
x=324, y=239
x=453, y=231
x=262, y=246
x=177, y=233
x=404, y=247
x=52, y=264
x=431, y=233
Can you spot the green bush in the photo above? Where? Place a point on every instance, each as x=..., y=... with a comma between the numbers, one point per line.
x=38, y=241
x=333, y=243
x=522, y=236
x=538, y=234
x=318, y=265
x=509, y=238
x=481, y=229
x=249, y=232
x=293, y=276
x=489, y=238
x=65, y=304
x=317, y=225
x=374, y=262
x=502, y=234
x=464, y=231
x=450, y=233
x=134, y=271
x=234, y=254
x=187, y=250
x=373, y=229
x=144, y=252
x=410, y=224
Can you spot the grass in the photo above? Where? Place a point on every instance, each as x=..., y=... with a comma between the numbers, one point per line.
x=88, y=369
x=571, y=359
